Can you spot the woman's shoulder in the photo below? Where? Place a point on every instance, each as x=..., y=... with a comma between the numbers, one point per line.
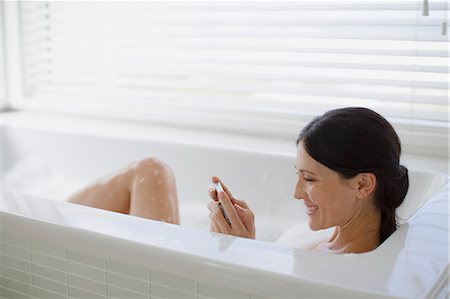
x=300, y=236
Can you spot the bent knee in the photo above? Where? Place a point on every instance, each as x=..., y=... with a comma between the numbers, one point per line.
x=152, y=167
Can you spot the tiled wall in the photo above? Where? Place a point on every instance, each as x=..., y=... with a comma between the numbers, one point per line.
x=33, y=269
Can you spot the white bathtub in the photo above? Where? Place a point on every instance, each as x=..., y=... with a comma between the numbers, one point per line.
x=53, y=248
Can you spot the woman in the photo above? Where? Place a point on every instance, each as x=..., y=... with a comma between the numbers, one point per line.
x=349, y=177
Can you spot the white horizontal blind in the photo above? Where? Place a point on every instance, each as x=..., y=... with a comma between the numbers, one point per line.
x=294, y=58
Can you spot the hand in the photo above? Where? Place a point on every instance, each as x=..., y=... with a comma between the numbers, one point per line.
x=241, y=217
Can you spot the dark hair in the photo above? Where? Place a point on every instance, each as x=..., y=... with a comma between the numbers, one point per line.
x=355, y=140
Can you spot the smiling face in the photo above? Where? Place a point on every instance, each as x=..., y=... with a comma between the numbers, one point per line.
x=330, y=198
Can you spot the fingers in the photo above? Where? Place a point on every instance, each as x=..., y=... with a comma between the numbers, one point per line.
x=213, y=194
x=218, y=222
x=216, y=179
x=214, y=227
x=240, y=203
x=248, y=219
x=244, y=228
x=228, y=207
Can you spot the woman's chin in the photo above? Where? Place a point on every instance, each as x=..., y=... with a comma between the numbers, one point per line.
x=313, y=226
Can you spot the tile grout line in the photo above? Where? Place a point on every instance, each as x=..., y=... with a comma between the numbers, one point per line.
x=149, y=283
x=31, y=267
x=47, y=290
x=16, y=291
x=31, y=262
x=67, y=274
x=67, y=260
x=86, y=291
x=105, y=264
x=149, y=273
x=32, y=286
x=196, y=289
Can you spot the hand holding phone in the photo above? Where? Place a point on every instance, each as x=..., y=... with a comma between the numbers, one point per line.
x=242, y=215
x=219, y=188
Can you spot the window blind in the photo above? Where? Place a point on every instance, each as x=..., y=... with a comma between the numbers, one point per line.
x=282, y=59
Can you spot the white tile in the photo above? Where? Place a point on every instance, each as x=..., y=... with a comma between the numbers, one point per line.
x=15, y=251
x=82, y=294
x=18, y=275
x=86, y=271
x=86, y=259
x=50, y=285
x=257, y=297
x=15, y=240
x=44, y=294
x=10, y=294
x=16, y=286
x=128, y=270
x=211, y=291
x=48, y=261
x=125, y=282
x=48, y=272
x=88, y=285
x=173, y=281
x=47, y=248
x=114, y=292
x=163, y=292
x=15, y=263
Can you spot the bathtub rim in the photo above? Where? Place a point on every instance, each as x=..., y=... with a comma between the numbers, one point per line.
x=295, y=282
x=285, y=275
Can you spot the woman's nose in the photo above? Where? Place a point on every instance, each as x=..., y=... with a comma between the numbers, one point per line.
x=299, y=192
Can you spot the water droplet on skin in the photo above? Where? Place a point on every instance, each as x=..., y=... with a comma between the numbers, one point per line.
x=142, y=180
x=146, y=212
x=159, y=182
x=156, y=172
x=152, y=198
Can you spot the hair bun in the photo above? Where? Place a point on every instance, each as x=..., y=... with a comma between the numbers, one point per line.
x=402, y=185
x=402, y=169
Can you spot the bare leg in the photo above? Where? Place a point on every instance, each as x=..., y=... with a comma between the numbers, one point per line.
x=145, y=188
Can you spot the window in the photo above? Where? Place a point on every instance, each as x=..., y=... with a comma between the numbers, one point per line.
x=262, y=66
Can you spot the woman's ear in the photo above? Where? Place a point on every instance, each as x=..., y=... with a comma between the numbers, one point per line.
x=366, y=183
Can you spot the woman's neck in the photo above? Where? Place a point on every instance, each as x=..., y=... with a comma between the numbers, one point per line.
x=360, y=234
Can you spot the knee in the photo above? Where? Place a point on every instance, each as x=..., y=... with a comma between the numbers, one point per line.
x=152, y=167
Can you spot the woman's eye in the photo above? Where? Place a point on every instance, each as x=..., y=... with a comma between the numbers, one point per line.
x=309, y=180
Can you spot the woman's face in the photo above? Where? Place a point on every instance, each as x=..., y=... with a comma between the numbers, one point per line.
x=330, y=199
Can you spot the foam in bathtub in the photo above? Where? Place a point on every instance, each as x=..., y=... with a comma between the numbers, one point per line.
x=35, y=175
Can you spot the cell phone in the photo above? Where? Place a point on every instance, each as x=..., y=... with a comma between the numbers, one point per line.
x=219, y=188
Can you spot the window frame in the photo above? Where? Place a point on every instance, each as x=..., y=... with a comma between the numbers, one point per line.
x=12, y=54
